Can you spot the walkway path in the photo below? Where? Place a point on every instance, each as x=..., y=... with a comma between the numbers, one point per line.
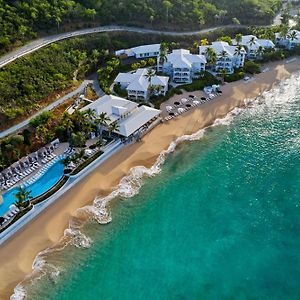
x=61, y=100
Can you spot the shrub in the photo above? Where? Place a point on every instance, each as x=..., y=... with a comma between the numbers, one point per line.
x=251, y=67
x=199, y=84
x=119, y=91
x=237, y=75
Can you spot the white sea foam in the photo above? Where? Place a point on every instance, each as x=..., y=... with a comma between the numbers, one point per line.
x=77, y=238
x=131, y=184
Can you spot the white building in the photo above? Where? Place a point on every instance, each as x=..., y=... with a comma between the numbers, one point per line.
x=252, y=45
x=144, y=51
x=228, y=57
x=182, y=66
x=130, y=117
x=291, y=40
x=138, y=86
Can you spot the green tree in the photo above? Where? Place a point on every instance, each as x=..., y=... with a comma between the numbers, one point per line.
x=22, y=196
x=163, y=53
x=167, y=5
x=112, y=128
x=238, y=38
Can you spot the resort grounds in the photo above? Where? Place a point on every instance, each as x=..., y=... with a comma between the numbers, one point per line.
x=17, y=254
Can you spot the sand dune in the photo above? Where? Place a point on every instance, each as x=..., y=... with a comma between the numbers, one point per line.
x=17, y=255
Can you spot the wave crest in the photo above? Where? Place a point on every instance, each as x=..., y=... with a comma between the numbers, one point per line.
x=130, y=186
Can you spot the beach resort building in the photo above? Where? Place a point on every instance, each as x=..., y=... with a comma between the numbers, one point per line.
x=182, y=66
x=131, y=118
x=139, y=85
x=254, y=46
x=144, y=51
x=228, y=57
x=289, y=41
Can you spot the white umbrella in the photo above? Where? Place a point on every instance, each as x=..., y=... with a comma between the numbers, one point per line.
x=180, y=110
x=196, y=102
x=169, y=108
x=184, y=100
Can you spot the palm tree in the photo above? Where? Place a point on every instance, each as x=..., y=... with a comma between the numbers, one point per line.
x=223, y=74
x=102, y=121
x=222, y=56
x=23, y=196
x=204, y=42
x=68, y=124
x=66, y=161
x=79, y=119
x=211, y=55
x=252, y=41
x=163, y=53
x=260, y=51
x=149, y=75
x=292, y=35
x=90, y=114
x=113, y=127
x=238, y=50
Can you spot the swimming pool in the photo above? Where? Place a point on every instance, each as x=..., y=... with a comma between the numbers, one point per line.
x=43, y=184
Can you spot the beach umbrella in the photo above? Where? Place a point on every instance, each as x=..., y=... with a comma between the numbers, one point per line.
x=180, y=110
x=169, y=108
x=184, y=100
x=196, y=102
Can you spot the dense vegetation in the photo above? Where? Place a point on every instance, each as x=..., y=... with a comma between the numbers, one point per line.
x=26, y=82
x=22, y=20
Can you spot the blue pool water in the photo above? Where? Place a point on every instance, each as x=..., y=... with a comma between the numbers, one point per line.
x=43, y=184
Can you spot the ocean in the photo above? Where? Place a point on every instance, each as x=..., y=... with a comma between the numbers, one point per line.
x=217, y=218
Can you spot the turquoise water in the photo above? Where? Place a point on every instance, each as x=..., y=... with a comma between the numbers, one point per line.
x=43, y=184
x=221, y=221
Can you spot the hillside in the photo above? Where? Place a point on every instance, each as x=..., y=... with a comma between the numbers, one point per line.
x=23, y=20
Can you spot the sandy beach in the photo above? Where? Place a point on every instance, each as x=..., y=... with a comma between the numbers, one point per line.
x=17, y=255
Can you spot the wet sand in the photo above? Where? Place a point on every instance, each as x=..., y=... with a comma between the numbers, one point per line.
x=17, y=254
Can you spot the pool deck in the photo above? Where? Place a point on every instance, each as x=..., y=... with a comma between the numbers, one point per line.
x=59, y=151
x=109, y=150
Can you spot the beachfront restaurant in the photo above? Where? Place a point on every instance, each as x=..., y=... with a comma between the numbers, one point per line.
x=132, y=119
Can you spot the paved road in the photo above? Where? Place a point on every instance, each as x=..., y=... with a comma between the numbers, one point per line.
x=42, y=42
x=61, y=100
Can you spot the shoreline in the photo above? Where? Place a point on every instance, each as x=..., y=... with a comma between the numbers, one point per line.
x=18, y=254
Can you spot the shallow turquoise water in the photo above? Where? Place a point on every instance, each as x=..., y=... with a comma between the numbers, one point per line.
x=221, y=221
x=42, y=185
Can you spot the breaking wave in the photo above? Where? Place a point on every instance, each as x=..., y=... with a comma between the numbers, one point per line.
x=130, y=185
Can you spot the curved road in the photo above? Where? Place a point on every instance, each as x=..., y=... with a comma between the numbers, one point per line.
x=44, y=41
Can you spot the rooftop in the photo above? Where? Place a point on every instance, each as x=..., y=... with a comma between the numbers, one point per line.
x=137, y=119
x=112, y=105
x=247, y=41
x=219, y=47
x=115, y=107
x=146, y=48
x=181, y=58
x=138, y=81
